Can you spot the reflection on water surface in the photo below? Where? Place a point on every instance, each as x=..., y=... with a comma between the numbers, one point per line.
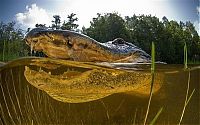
x=44, y=91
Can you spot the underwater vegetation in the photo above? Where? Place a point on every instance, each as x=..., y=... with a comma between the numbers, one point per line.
x=147, y=94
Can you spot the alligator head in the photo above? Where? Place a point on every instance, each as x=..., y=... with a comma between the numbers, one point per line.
x=71, y=45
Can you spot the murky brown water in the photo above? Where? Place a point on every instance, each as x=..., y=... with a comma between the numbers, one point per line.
x=47, y=91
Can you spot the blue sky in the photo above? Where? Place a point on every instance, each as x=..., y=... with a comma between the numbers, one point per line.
x=29, y=12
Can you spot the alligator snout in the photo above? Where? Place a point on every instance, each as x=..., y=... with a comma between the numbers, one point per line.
x=65, y=44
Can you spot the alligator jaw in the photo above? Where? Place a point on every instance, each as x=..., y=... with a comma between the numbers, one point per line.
x=45, y=42
x=66, y=44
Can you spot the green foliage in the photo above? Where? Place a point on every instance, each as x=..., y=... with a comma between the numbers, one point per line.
x=70, y=24
x=11, y=42
x=169, y=36
x=107, y=27
x=56, y=22
x=40, y=25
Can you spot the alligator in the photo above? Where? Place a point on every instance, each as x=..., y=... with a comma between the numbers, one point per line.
x=78, y=82
x=86, y=77
x=65, y=44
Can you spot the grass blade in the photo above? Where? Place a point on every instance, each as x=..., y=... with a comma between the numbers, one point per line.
x=153, y=58
x=186, y=98
x=188, y=85
x=156, y=117
x=152, y=80
x=185, y=56
x=190, y=96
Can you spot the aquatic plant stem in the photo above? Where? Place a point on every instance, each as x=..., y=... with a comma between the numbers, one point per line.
x=185, y=56
x=152, y=80
x=186, y=98
x=156, y=117
x=149, y=102
x=188, y=85
x=190, y=96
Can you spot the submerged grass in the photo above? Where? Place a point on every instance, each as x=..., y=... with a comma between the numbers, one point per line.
x=187, y=97
x=156, y=117
x=151, y=89
x=34, y=119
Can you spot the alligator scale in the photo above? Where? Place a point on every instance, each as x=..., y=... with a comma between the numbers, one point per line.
x=70, y=45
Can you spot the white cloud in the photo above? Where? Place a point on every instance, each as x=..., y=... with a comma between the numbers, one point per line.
x=197, y=26
x=197, y=22
x=32, y=16
x=198, y=9
x=87, y=9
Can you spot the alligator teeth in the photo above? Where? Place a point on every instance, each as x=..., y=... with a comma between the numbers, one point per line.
x=40, y=70
x=27, y=69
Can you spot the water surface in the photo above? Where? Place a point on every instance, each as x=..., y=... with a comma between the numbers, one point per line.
x=52, y=91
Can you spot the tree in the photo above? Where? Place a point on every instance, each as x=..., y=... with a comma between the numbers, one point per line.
x=169, y=36
x=165, y=20
x=144, y=30
x=56, y=22
x=11, y=42
x=40, y=25
x=70, y=23
x=107, y=27
x=192, y=38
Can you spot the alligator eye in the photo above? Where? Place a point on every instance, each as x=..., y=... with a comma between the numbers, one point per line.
x=69, y=44
x=118, y=41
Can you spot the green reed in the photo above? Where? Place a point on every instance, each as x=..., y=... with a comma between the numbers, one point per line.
x=152, y=82
x=187, y=97
x=185, y=56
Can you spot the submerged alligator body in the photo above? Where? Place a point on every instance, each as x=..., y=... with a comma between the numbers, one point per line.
x=87, y=80
x=77, y=82
x=70, y=45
